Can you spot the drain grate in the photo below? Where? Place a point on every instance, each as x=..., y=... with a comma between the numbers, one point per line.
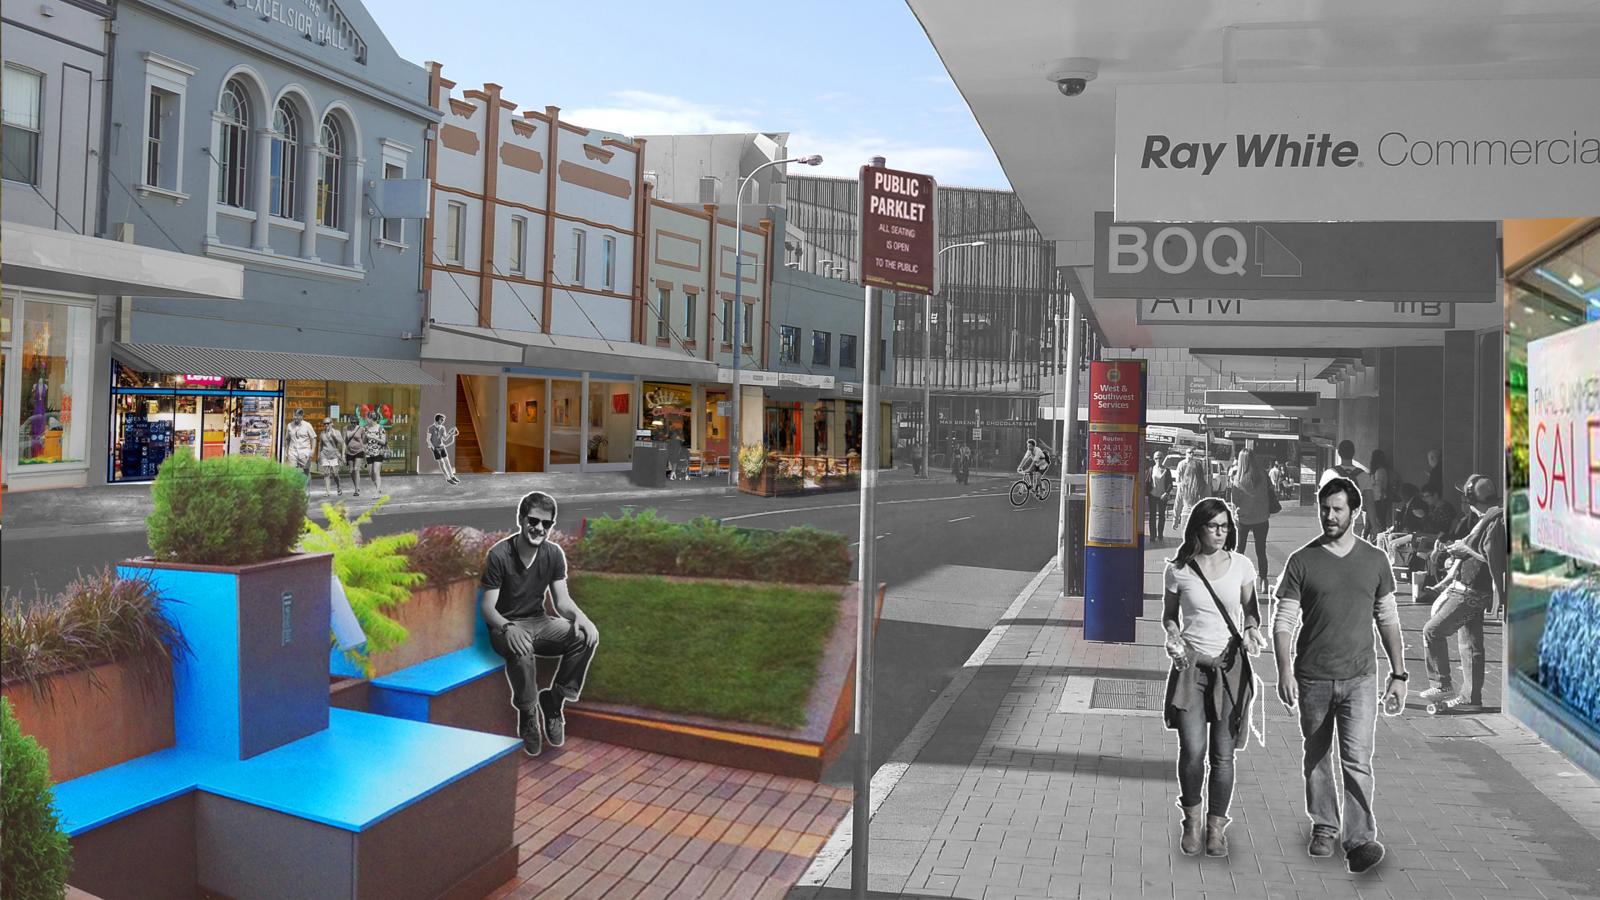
x=1120, y=693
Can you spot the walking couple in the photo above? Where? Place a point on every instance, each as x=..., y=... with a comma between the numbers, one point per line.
x=1331, y=592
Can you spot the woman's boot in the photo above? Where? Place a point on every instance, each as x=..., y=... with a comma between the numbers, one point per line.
x=1192, y=819
x=1216, y=840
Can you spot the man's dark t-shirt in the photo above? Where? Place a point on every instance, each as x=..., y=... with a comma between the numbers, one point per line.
x=1338, y=602
x=522, y=588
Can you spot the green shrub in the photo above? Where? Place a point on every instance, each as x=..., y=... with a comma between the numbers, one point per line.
x=806, y=555
x=642, y=543
x=35, y=855
x=228, y=510
x=709, y=549
x=99, y=618
x=375, y=575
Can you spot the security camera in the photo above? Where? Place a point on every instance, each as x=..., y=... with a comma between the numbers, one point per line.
x=1072, y=75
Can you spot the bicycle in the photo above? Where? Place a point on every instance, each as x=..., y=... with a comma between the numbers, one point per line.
x=1021, y=490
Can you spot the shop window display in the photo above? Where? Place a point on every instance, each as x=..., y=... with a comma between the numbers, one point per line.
x=396, y=406
x=154, y=415
x=667, y=412
x=610, y=431
x=55, y=359
x=1552, y=450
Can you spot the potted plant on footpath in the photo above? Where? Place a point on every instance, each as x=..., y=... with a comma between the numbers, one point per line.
x=222, y=535
x=35, y=855
x=755, y=475
x=95, y=659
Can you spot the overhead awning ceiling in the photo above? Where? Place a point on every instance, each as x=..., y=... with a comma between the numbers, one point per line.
x=62, y=261
x=531, y=349
x=230, y=363
x=1058, y=152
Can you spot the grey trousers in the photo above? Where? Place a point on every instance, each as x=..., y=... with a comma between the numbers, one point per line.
x=552, y=636
x=1348, y=709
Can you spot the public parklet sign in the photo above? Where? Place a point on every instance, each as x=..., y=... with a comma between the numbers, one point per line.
x=1361, y=151
x=1564, y=443
x=898, y=230
x=1395, y=262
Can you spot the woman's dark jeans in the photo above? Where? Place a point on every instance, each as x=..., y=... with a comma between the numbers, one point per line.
x=1260, y=531
x=1200, y=742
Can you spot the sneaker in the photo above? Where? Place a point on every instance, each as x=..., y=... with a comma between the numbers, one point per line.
x=555, y=723
x=1364, y=856
x=1321, y=843
x=528, y=729
x=1433, y=695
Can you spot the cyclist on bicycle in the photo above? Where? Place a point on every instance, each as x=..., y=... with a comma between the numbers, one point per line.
x=1035, y=462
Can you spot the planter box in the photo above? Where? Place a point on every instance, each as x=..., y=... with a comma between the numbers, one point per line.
x=92, y=719
x=438, y=620
x=256, y=677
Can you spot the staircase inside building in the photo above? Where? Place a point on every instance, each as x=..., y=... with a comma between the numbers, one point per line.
x=469, y=456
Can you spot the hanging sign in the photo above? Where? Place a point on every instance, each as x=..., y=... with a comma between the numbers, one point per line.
x=1116, y=424
x=1564, y=443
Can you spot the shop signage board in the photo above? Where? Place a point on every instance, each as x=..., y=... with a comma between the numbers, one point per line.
x=1358, y=151
x=1255, y=424
x=1299, y=313
x=897, y=230
x=1116, y=422
x=1564, y=443
x=1279, y=399
x=1443, y=262
x=1194, y=394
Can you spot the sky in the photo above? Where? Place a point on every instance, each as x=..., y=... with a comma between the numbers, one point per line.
x=848, y=80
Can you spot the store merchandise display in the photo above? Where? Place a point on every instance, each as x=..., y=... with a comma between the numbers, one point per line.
x=1569, y=650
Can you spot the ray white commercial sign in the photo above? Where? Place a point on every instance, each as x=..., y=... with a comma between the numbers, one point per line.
x=1358, y=151
x=1564, y=443
x=1439, y=262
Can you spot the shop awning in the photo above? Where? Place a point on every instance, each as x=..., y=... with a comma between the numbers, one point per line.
x=230, y=363
x=62, y=261
x=532, y=349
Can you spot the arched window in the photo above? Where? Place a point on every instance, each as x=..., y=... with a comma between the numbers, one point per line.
x=234, y=156
x=328, y=180
x=285, y=159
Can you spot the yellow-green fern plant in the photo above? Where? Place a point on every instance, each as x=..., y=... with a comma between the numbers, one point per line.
x=376, y=575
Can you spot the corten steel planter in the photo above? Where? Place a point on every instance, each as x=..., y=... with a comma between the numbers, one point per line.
x=438, y=620
x=92, y=719
x=256, y=677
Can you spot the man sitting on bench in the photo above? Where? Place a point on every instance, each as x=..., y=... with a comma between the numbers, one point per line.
x=516, y=576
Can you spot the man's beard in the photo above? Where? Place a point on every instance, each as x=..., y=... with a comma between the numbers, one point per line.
x=1342, y=529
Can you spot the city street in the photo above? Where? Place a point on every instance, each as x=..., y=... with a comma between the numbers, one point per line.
x=952, y=556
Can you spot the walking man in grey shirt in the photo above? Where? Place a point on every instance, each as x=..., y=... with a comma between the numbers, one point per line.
x=1331, y=592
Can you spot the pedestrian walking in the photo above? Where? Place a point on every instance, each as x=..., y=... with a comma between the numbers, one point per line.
x=1331, y=592
x=1193, y=483
x=1253, y=497
x=355, y=450
x=377, y=441
x=1384, y=485
x=439, y=440
x=299, y=442
x=1473, y=588
x=1158, y=490
x=1210, y=613
x=330, y=454
x=516, y=575
x=1357, y=474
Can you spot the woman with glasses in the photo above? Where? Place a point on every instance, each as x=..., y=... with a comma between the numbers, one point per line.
x=1210, y=616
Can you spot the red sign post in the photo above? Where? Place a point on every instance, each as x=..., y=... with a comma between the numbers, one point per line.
x=897, y=230
x=1116, y=423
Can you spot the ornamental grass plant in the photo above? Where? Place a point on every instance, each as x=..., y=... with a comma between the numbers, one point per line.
x=100, y=618
x=226, y=511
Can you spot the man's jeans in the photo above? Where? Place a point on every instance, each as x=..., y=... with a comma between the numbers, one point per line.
x=1456, y=610
x=1156, y=513
x=552, y=636
x=1349, y=706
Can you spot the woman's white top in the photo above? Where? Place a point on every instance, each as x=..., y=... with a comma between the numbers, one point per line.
x=1203, y=627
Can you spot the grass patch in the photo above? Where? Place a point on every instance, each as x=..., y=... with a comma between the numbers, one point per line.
x=744, y=652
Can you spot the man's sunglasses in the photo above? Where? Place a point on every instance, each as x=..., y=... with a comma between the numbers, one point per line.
x=546, y=524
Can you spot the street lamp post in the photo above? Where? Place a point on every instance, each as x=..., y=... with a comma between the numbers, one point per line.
x=927, y=361
x=738, y=302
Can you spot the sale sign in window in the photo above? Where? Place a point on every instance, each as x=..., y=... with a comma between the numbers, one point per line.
x=1564, y=442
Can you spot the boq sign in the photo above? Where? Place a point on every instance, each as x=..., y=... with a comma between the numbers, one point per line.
x=1564, y=443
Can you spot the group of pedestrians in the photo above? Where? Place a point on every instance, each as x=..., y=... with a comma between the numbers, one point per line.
x=1331, y=596
x=362, y=441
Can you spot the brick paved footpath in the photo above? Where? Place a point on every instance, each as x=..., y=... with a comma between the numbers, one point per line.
x=599, y=820
x=1012, y=797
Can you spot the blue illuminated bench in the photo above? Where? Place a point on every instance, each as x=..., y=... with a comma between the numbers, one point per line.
x=463, y=689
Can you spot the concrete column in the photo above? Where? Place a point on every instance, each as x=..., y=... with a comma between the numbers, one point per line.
x=1413, y=397
x=311, y=167
x=1489, y=393
x=262, y=189
x=1459, y=407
